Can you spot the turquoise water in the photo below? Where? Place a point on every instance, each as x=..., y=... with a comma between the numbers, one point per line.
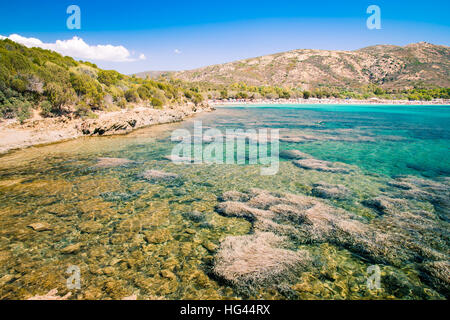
x=160, y=239
x=421, y=134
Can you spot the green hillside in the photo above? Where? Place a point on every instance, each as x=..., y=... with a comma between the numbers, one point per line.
x=34, y=78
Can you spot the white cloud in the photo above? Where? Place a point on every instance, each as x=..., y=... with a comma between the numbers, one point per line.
x=77, y=48
x=142, y=57
x=176, y=51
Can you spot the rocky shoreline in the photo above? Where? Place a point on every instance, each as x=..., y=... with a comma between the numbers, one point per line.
x=14, y=135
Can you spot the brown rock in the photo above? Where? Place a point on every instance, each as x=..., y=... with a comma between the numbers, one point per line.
x=90, y=226
x=73, y=248
x=40, y=226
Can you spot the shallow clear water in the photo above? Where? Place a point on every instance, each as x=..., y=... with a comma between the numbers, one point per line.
x=60, y=185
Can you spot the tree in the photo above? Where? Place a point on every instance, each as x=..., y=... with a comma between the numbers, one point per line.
x=306, y=94
x=132, y=95
x=156, y=103
x=224, y=94
x=58, y=96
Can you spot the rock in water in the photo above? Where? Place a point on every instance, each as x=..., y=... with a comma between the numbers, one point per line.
x=73, y=248
x=320, y=165
x=111, y=162
x=155, y=175
x=40, y=226
x=90, y=226
x=329, y=191
x=51, y=295
x=257, y=259
x=294, y=154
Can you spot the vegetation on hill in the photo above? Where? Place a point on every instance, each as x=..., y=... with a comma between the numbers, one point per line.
x=37, y=78
x=244, y=91
x=417, y=72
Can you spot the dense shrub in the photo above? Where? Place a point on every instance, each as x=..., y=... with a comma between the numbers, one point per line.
x=59, y=95
x=109, y=77
x=144, y=93
x=156, y=103
x=132, y=95
x=46, y=109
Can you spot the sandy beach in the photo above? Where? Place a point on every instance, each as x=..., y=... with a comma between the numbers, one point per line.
x=326, y=101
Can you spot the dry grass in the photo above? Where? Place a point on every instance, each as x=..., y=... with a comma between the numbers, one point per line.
x=320, y=165
x=111, y=162
x=257, y=259
x=401, y=235
x=154, y=175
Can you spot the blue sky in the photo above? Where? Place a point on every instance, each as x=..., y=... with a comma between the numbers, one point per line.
x=177, y=35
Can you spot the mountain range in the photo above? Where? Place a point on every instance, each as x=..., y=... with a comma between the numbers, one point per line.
x=391, y=67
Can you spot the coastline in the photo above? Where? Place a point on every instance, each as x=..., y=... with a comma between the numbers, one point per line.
x=40, y=131
x=232, y=102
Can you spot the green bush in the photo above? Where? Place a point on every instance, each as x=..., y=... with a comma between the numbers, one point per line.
x=144, y=93
x=306, y=94
x=19, y=85
x=156, y=103
x=58, y=95
x=82, y=109
x=109, y=77
x=23, y=111
x=132, y=95
x=46, y=109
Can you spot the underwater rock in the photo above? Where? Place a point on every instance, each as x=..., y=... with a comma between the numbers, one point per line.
x=111, y=162
x=329, y=191
x=257, y=259
x=158, y=236
x=6, y=279
x=90, y=226
x=263, y=201
x=208, y=245
x=155, y=175
x=51, y=295
x=384, y=204
x=195, y=216
x=435, y=192
x=73, y=248
x=40, y=226
x=294, y=155
x=241, y=210
x=320, y=165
